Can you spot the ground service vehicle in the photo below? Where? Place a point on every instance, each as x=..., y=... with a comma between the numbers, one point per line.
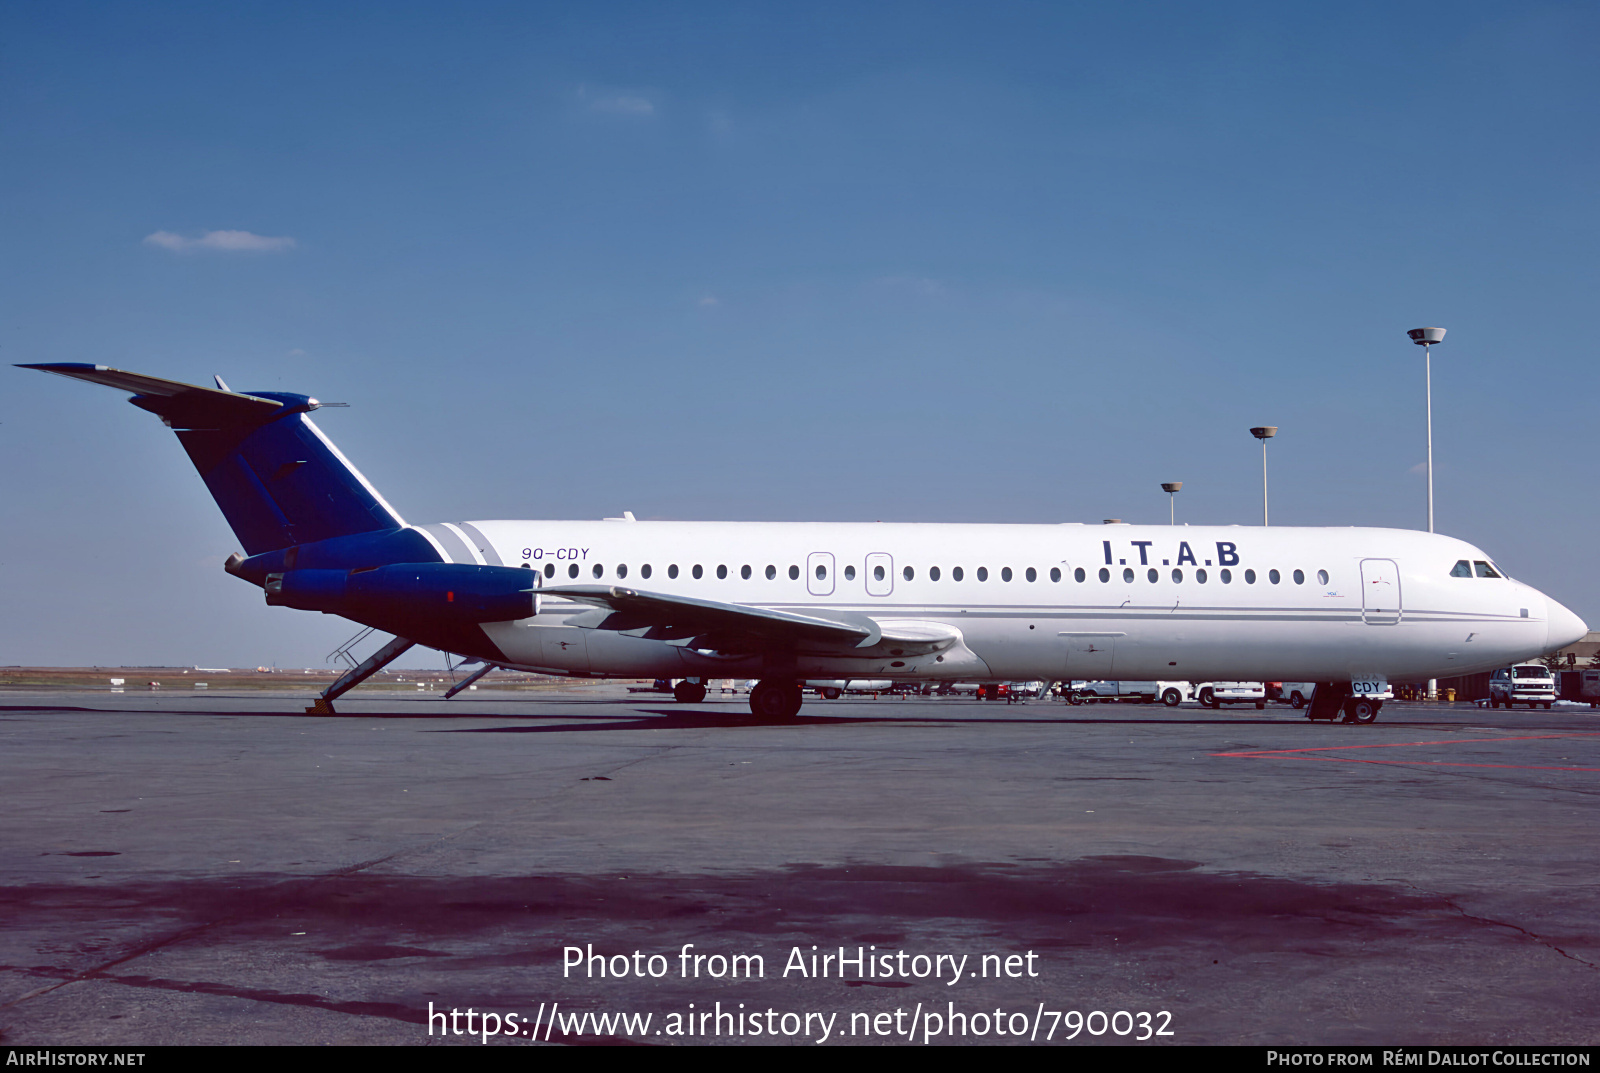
x=1528, y=683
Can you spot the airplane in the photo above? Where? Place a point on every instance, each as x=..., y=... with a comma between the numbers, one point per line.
x=785, y=602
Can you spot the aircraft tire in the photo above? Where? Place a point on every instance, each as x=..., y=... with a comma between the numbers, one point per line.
x=687, y=692
x=775, y=701
x=1172, y=698
x=1360, y=710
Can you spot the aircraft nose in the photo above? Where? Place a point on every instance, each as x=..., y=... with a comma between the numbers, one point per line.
x=1565, y=627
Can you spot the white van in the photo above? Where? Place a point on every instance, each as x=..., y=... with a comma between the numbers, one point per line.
x=1526, y=683
x=1216, y=694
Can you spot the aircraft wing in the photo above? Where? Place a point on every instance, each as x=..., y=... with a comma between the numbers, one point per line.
x=663, y=618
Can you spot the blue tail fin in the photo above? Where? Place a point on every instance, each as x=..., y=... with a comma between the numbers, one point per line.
x=277, y=478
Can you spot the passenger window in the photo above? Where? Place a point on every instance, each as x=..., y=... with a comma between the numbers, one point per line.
x=1055, y=574
x=1299, y=577
x=598, y=570
x=955, y=573
x=622, y=570
x=908, y=573
x=572, y=571
x=1226, y=576
x=1461, y=569
x=933, y=573
x=794, y=573
x=644, y=571
x=722, y=573
x=1032, y=574
x=744, y=572
x=983, y=573
x=698, y=572
x=822, y=572
x=772, y=572
x=549, y=569
x=1485, y=570
x=1105, y=575
x=1079, y=574
x=1127, y=575
x=1005, y=573
x=877, y=573
x=1322, y=577
x=1274, y=577
x=1177, y=575
x=1200, y=576
x=672, y=571
x=1249, y=577
x=1153, y=574
x=849, y=573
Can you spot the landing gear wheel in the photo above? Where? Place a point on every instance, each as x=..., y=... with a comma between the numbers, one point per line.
x=1360, y=710
x=687, y=692
x=1172, y=698
x=775, y=700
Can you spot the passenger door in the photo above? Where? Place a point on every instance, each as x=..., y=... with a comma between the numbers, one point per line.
x=1380, y=592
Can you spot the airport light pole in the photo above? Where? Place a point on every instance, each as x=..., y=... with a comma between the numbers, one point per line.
x=1425, y=338
x=1171, y=488
x=1264, y=433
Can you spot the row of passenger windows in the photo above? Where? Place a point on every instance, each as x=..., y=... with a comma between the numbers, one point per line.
x=1152, y=575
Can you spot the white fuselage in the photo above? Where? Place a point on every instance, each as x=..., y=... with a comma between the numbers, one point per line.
x=1153, y=602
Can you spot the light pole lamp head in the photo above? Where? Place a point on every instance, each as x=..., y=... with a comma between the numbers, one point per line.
x=1171, y=486
x=1264, y=432
x=1426, y=336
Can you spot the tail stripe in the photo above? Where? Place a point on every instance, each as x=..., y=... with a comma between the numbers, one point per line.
x=472, y=550
x=476, y=538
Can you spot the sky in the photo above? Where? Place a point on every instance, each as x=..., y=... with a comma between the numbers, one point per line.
x=893, y=261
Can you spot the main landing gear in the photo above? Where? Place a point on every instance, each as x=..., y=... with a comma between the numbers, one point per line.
x=775, y=700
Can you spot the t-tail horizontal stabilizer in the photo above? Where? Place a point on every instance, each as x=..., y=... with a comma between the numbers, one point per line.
x=279, y=481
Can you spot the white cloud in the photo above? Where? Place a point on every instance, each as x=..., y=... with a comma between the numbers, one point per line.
x=230, y=241
x=616, y=102
x=710, y=300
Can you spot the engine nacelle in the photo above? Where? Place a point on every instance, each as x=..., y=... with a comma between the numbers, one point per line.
x=439, y=593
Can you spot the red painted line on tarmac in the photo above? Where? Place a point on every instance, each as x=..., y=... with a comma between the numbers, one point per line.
x=1299, y=754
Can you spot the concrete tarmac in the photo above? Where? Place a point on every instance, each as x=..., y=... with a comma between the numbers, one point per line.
x=217, y=868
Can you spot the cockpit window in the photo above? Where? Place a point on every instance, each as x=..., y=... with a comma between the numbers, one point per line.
x=1461, y=569
x=1484, y=569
